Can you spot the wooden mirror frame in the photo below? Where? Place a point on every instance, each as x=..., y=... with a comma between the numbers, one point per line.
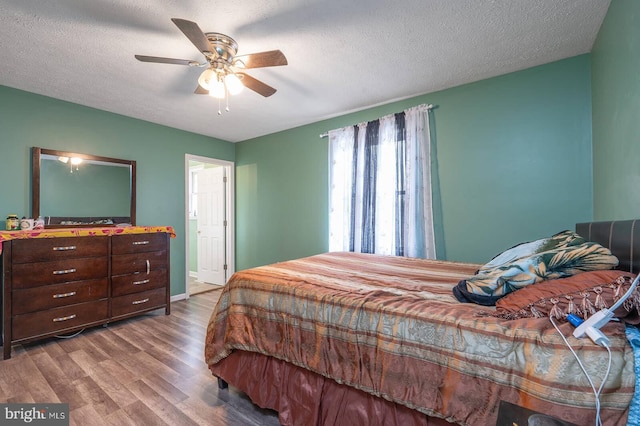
x=36, y=156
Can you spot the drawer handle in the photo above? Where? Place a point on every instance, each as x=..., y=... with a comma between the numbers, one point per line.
x=65, y=248
x=140, y=282
x=140, y=243
x=137, y=302
x=61, y=295
x=148, y=266
x=64, y=318
x=64, y=271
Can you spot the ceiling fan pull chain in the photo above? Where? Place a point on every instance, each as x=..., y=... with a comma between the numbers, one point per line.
x=226, y=97
x=219, y=112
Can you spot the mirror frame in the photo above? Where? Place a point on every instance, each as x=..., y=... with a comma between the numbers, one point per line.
x=35, y=179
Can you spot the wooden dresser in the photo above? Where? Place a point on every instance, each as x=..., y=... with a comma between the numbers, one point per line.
x=59, y=285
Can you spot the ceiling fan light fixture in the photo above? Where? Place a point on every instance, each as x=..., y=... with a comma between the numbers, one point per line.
x=217, y=89
x=233, y=83
x=224, y=74
x=206, y=78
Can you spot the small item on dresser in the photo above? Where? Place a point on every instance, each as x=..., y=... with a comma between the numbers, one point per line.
x=26, y=224
x=13, y=223
x=39, y=223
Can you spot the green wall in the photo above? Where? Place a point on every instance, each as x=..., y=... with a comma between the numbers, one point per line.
x=512, y=163
x=616, y=113
x=281, y=196
x=28, y=120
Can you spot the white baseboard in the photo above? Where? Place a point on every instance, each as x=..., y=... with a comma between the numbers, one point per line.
x=177, y=297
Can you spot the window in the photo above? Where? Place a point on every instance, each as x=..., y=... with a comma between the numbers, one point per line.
x=380, y=186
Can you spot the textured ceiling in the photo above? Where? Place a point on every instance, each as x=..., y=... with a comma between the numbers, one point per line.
x=343, y=55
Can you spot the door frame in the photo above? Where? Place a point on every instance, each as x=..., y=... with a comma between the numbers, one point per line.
x=229, y=213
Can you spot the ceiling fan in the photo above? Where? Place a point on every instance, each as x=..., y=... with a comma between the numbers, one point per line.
x=224, y=73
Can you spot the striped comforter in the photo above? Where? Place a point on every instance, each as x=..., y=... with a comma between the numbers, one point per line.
x=391, y=327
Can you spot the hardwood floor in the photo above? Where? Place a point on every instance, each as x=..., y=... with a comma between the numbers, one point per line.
x=144, y=371
x=197, y=287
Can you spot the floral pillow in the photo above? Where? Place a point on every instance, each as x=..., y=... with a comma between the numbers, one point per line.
x=561, y=255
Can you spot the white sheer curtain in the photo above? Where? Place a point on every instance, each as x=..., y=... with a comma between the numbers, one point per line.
x=419, y=219
x=380, y=186
x=341, y=166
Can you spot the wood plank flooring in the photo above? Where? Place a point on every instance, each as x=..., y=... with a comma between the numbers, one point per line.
x=197, y=287
x=148, y=370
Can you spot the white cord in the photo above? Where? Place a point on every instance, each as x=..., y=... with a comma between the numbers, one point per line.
x=604, y=380
x=69, y=336
x=606, y=376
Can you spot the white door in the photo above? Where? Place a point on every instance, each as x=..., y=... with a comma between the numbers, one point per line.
x=211, y=226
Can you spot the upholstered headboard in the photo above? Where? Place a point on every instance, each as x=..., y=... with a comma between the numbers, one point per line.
x=621, y=237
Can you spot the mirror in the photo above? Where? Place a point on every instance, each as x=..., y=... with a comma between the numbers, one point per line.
x=72, y=189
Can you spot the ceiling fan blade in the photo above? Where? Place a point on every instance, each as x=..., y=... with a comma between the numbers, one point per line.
x=166, y=60
x=194, y=34
x=201, y=90
x=272, y=58
x=256, y=85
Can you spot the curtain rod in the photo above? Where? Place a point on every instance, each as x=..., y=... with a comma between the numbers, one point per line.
x=326, y=134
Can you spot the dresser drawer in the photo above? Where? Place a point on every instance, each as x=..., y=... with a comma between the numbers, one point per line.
x=142, y=301
x=58, y=319
x=45, y=249
x=135, y=283
x=27, y=275
x=136, y=243
x=56, y=295
x=138, y=262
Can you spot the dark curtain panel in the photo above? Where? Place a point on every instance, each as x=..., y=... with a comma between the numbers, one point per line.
x=400, y=183
x=369, y=187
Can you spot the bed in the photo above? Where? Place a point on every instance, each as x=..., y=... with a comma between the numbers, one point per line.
x=349, y=338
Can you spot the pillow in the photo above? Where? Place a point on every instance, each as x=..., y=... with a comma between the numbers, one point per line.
x=522, y=250
x=561, y=255
x=581, y=294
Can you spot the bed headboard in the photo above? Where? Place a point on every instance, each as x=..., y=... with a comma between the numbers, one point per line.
x=621, y=237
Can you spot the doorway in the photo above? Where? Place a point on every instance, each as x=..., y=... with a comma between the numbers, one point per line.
x=209, y=189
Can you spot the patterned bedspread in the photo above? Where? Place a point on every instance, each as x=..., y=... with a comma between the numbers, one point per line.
x=391, y=327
